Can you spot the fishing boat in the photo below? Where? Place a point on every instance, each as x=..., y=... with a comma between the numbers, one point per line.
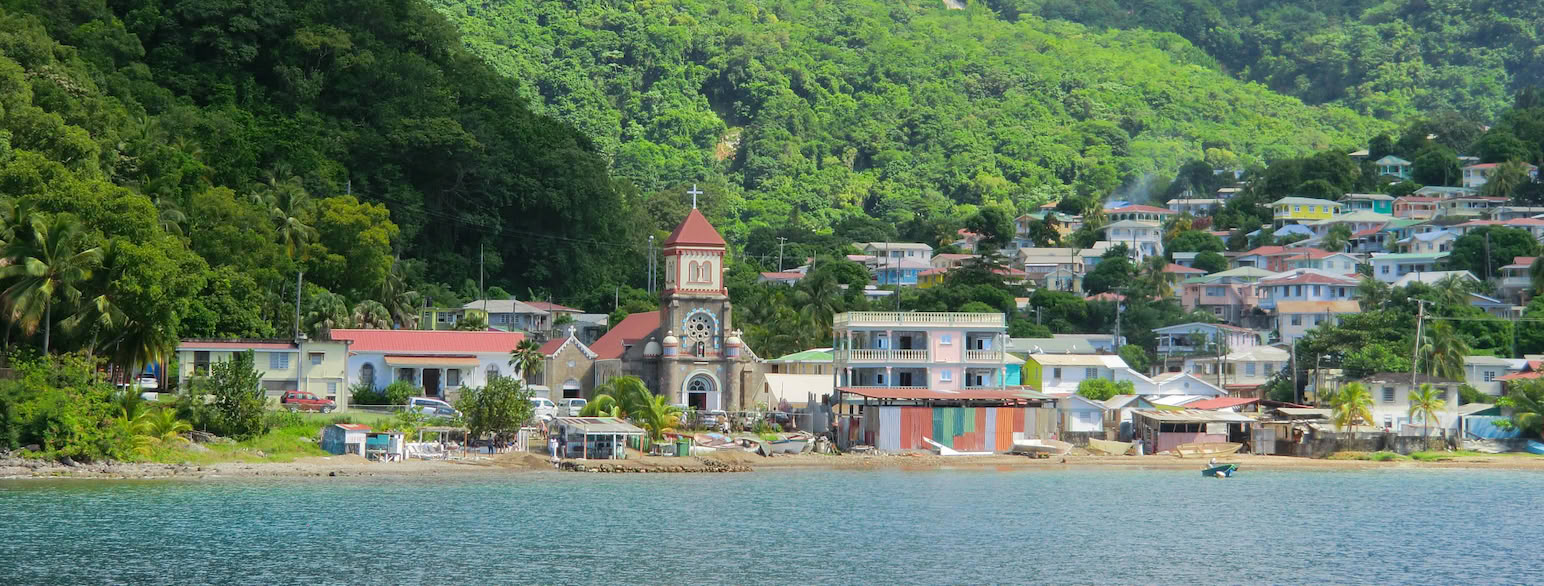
x=1536, y=448
x=1109, y=448
x=1220, y=470
x=944, y=450
x=1206, y=449
x=783, y=446
x=1041, y=446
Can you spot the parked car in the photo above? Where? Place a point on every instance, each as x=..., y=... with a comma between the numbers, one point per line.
x=714, y=419
x=432, y=407
x=149, y=382
x=303, y=401
x=543, y=409
x=571, y=407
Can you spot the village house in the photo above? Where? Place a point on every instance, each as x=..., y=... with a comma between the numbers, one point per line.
x=1504, y=213
x=1065, y=344
x=1394, y=167
x=1197, y=337
x=902, y=272
x=511, y=315
x=1391, y=400
x=1305, y=285
x=892, y=252
x=1414, y=207
x=567, y=368
x=812, y=361
x=1484, y=372
x=1380, y=203
x=1080, y=415
x=1119, y=409
x=1475, y=176
x=1144, y=238
x=439, y=362
x=1469, y=207
x=1230, y=295
x=1534, y=226
x=1240, y=372
x=1299, y=210
x=1515, y=278
x=1138, y=213
x=1061, y=373
x=930, y=350
x=1434, y=277
x=782, y=278
x=1195, y=207
x=1335, y=263
x=1270, y=258
x=313, y=366
x=1390, y=267
x=1295, y=318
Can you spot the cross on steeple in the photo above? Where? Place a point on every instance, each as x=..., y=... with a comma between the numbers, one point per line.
x=694, y=192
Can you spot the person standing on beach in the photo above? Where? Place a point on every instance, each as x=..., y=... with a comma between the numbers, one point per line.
x=552, y=446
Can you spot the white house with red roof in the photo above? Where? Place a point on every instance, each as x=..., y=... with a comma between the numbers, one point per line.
x=1305, y=285
x=439, y=362
x=1475, y=176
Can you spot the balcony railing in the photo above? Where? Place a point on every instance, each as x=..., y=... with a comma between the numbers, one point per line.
x=918, y=318
x=983, y=356
x=873, y=355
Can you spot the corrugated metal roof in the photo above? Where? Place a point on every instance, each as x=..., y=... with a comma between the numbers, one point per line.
x=1221, y=403
x=922, y=393
x=1194, y=416
x=1304, y=412
x=1106, y=360
x=601, y=425
x=429, y=341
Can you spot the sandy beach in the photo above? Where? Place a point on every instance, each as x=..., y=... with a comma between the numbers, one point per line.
x=526, y=463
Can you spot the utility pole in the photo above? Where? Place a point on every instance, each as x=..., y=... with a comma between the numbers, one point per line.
x=1415, y=353
x=481, y=293
x=1297, y=396
x=298, y=276
x=1119, y=305
x=780, y=241
x=1487, y=255
x=650, y=279
x=616, y=298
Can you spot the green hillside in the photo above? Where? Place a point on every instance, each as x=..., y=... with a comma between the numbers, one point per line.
x=199, y=153
x=1390, y=58
x=813, y=112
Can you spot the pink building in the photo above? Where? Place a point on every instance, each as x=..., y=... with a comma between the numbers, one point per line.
x=1230, y=295
x=924, y=350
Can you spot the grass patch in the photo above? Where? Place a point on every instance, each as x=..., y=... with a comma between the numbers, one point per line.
x=1434, y=456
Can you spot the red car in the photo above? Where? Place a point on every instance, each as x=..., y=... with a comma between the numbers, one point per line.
x=303, y=401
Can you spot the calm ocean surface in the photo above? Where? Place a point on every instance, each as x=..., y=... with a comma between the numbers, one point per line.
x=814, y=526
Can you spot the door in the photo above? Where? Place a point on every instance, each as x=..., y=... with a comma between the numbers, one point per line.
x=905, y=377
x=432, y=382
x=697, y=400
x=905, y=343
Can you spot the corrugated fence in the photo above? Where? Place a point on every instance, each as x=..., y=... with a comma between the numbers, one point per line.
x=966, y=429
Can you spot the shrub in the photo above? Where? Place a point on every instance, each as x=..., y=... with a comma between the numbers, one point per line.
x=364, y=393
x=239, y=399
x=397, y=393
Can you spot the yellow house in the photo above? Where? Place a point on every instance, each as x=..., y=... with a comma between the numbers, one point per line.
x=1295, y=210
x=315, y=366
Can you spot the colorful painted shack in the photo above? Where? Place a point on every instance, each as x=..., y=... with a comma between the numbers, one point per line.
x=897, y=419
x=1162, y=430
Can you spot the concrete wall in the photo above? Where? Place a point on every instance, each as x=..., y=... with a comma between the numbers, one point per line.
x=1322, y=444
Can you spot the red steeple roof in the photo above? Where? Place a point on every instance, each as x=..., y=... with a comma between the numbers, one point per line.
x=695, y=231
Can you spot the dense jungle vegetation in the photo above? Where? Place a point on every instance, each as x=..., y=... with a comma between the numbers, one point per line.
x=815, y=113
x=1386, y=58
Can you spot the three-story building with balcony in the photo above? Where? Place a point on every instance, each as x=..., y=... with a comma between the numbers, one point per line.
x=950, y=352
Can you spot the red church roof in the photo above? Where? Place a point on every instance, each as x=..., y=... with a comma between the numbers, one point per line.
x=631, y=329
x=695, y=231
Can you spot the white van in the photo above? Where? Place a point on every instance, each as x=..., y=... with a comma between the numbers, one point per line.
x=543, y=409
x=571, y=407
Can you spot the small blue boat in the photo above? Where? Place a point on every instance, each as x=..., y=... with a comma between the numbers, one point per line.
x=1536, y=448
x=1223, y=470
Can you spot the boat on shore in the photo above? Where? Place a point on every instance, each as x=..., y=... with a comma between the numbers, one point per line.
x=1536, y=448
x=1220, y=470
x=1041, y=446
x=783, y=446
x=1206, y=449
x=1109, y=448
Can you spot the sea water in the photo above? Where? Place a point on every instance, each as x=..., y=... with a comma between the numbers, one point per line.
x=1077, y=525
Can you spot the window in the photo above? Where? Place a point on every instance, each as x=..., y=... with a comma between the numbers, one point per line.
x=1317, y=319
x=201, y=362
x=946, y=375
x=332, y=388
x=1056, y=373
x=406, y=375
x=1297, y=290
x=493, y=371
x=1297, y=320
x=1388, y=394
x=367, y=374
x=1383, y=269
x=1318, y=290
x=316, y=358
x=1249, y=368
x=1297, y=208
x=1214, y=292
x=278, y=360
x=1490, y=375
x=1090, y=373
x=879, y=379
x=453, y=377
x=1085, y=417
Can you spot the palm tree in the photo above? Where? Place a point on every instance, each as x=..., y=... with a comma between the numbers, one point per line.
x=97, y=314
x=618, y=397
x=138, y=342
x=1445, y=351
x=400, y=301
x=49, y=261
x=1505, y=179
x=657, y=416
x=371, y=315
x=819, y=300
x=1352, y=404
x=1337, y=239
x=158, y=428
x=1372, y=293
x=1526, y=400
x=527, y=358
x=287, y=203
x=1536, y=277
x=1426, y=403
x=169, y=215
x=1453, y=290
x=325, y=312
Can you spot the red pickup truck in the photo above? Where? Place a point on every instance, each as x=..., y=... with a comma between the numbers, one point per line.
x=303, y=401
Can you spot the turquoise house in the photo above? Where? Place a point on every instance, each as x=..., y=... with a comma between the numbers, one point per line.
x=1367, y=202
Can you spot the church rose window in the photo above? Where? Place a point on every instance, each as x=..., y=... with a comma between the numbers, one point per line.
x=699, y=331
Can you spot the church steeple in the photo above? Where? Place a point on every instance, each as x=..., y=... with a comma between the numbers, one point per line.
x=694, y=258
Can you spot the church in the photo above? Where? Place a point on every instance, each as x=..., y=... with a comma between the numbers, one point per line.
x=688, y=350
